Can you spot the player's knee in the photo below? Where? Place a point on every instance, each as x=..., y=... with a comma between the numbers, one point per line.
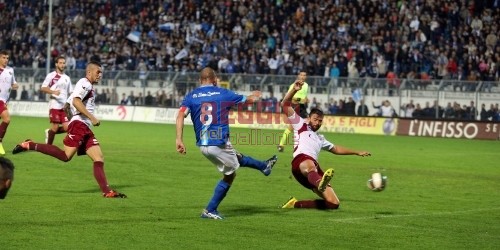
x=330, y=205
x=229, y=178
x=239, y=156
x=68, y=158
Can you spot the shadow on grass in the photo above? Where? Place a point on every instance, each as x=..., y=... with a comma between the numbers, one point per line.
x=251, y=210
x=94, y=190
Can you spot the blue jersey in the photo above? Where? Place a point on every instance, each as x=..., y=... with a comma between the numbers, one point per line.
x=209, y=107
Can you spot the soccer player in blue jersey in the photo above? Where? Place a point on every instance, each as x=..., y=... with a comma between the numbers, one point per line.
x=209, y=106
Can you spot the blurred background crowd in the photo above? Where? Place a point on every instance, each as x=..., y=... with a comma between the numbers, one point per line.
x=417, y=39
x=438, y=38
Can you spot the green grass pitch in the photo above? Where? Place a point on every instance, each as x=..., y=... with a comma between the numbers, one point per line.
x=441, y=194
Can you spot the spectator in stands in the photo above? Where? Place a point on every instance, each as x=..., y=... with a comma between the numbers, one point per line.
x=408, y=109
x=170, y=101
x=334, y=108
x=363, y=109
x=386, y=110
x=160, y=98
x=471, y=112
x=418, y=112
x=350, y=107
x=428, y=111
x=124, y=100
x=103, y=98
x=379, y=112
x=98, y=97
x=335, y=73
x=449, y=111
x=494, y=112
x=113, y=97
x=484, y=116
x=452, y=68
x=13, y=95
x=272, y=103
x=24, y=94
x=132, y=98
x=393, y=82
x=149, y=99
x=459, y=112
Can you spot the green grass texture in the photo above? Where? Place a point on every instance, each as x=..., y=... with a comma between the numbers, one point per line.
x=441, y=194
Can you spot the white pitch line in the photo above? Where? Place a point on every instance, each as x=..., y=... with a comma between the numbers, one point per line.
x=383, y=216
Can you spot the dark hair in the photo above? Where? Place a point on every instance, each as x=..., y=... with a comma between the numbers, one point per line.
x=317, y=111
x=6, y=176
x=96, y=63
x=6, y=169
x=58, y=58
x=4, y=52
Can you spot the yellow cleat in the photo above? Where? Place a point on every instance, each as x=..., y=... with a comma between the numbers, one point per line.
x=2, y=151
x=325, y=180
x=290, y=203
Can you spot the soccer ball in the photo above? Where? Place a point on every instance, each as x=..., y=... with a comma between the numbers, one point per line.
x=377, y=182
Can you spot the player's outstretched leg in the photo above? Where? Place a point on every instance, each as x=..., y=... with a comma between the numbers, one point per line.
x=290, y=203
x=22, y=147
x=263, y=166
x=325, y=180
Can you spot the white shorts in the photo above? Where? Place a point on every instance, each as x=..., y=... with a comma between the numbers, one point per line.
x=224, y=157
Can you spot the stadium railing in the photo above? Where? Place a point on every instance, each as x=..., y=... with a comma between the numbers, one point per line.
x=398, y=91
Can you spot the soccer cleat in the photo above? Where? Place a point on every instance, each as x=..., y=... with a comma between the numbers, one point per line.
x=214, y=215
x=113, y=194
x=2, y=151
x=290, y=203
x=270, y=164
x=325, y=180
x=22, y=147
x=281, y=148
x=46, y=135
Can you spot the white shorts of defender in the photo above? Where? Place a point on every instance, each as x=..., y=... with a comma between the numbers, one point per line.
x=223, y=157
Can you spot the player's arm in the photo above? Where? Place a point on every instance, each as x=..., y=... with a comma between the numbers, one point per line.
x=67, y=110
x=179, y=129
x=45, y=86
x=339, y=150
x=49, y=91
x=285, y=103
x=255, y=96
x=78, y=104
x=14, y=85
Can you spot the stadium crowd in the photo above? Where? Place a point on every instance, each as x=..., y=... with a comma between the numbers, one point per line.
x=441, y=38
x=418, y=39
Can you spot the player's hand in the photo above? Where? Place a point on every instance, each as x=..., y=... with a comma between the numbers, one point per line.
x=96, y=122
x=257, y=94
x=14, y=86
x=56, y=92
x=180, y=147
x=297, y=85
x=364, y=153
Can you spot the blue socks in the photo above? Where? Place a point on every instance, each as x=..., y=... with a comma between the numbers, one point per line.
x=247, y=161
x=219, y=194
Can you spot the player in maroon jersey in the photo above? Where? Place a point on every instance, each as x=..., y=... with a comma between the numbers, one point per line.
x=80, y=138
x=307, y=145
x=58, y=85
